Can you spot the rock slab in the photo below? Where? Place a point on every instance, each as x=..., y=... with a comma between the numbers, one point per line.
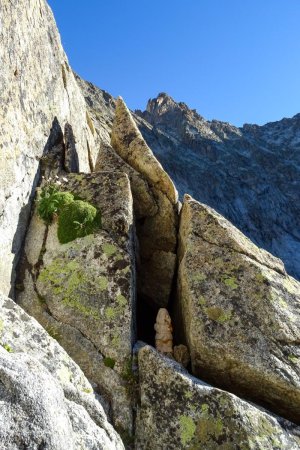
x=240, y=312
x=83, y=292
x=177, y=411
x=46, y=401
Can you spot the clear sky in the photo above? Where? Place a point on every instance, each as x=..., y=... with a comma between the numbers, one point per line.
x=232, y=60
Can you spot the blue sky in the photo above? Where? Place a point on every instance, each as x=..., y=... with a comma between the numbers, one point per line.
x=232, y=60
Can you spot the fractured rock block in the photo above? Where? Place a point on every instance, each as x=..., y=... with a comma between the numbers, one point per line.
x=177, y=411
x=240, y=312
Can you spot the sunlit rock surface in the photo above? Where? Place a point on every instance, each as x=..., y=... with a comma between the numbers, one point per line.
x=178, y=411
x=46, y=401
x=38, y=97
x=239, y=310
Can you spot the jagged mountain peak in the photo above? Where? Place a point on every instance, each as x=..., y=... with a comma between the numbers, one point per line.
x=249, y=174
x=163, y=109
x=161, y=103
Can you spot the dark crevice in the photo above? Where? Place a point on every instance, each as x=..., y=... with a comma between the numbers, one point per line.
x=64, y=75
x=145, y=318
x=40, y=262
x=71, y=160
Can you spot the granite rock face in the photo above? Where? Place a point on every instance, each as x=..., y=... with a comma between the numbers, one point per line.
x=250, y=175
x=38, y=96
x=157, y=230
x=178, y=411
x=100, y=113
x=83, y=292
x=130, y=145
x=46, y=401
x=240, y=312
x=143, y=200
x=236, y=309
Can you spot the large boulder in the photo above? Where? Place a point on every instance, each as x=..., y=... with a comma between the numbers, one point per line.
x=39, y=98
x=83, y=292
x=156, y=227
x=239, y=312
x=46, y=401
x=177, y=411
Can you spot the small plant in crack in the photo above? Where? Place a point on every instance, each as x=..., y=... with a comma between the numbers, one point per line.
x=51, y=200
x=76, y=218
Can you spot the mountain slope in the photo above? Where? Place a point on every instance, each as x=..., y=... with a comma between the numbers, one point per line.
x=251, y=175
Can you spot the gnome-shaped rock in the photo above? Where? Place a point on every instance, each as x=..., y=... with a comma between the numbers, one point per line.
x=163, y=336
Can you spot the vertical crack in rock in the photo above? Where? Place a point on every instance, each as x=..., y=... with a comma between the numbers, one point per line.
x=156, y=227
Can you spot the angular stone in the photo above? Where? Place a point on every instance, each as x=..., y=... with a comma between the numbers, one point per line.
x=144, y=203
x=240, y=312
x=76, y=289
x=46, y=401
x=177, y=411
x=127, y=140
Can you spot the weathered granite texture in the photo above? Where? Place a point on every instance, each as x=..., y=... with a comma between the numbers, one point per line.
x=240, y=311
x=46, y=401
x=100, y=111
x=38, y=97
x=250, y=174
x=177, y=411
x=83, y=292
x=157, y=230
x=143, y=200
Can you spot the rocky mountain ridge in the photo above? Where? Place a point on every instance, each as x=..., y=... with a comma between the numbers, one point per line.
x=87, y=376
x=251, y=175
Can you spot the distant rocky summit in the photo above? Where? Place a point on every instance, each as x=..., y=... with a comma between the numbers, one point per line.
x=131, y=317
x=251, y=175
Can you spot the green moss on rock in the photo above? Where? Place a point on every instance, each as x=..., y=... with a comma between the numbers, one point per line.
x=7, y=347
x=102, y=283
x=78, y=219
x=231, y=282
x=109, y=362
x=110, y=313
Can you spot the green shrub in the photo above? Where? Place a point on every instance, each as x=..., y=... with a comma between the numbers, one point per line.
x=51, y=201
x=77, y=219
